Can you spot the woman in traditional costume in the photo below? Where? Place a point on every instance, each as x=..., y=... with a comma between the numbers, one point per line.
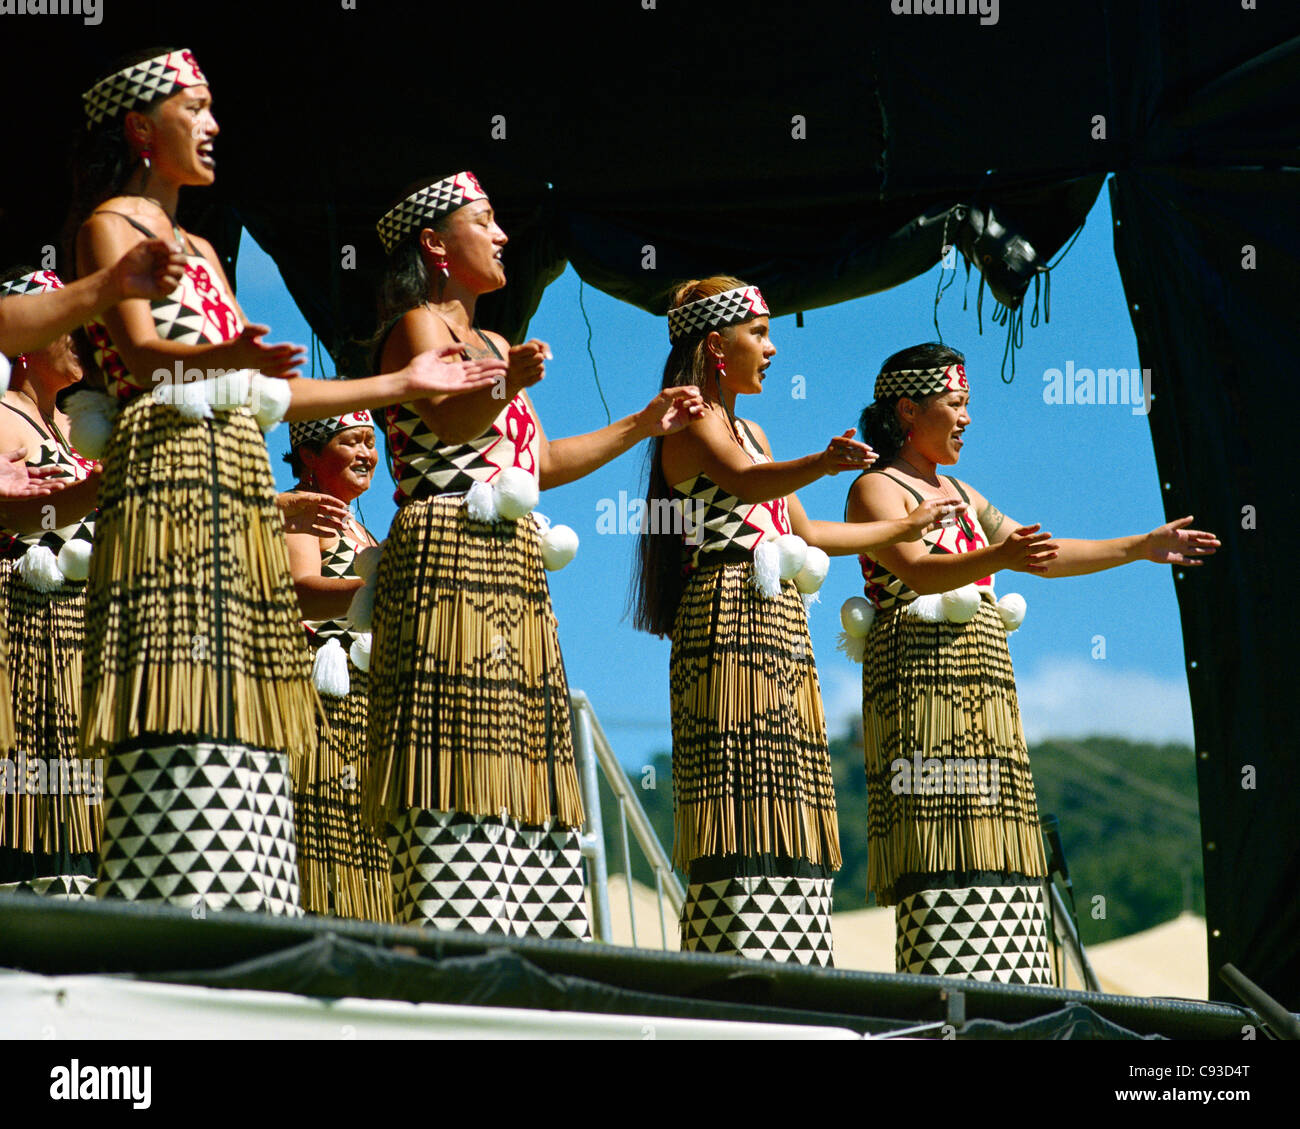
x=196, y=683
x=50, y=817
x=953, y=834
x=753, y=798
x=343, y=867
x=473, y=776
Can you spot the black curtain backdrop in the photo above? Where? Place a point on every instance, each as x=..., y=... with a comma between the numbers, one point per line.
x=674, y=128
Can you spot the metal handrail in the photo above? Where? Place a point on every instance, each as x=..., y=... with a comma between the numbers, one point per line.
x=592, y=750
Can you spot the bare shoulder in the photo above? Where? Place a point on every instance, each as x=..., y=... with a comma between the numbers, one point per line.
x=875, y=495
x=759, y=434
x=503, y=346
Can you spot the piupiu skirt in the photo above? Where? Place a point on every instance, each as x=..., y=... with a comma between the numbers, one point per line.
x=50, y=818
x=953, y=833
x=196, y=683
x=469, y=704
x=754, y=800
x=343, y=867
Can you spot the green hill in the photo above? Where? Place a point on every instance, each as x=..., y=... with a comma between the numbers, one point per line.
x=1128, y=815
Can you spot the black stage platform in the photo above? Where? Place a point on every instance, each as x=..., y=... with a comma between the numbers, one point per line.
x=332, y=959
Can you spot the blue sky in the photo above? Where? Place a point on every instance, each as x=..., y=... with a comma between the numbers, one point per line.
x=1083, y=470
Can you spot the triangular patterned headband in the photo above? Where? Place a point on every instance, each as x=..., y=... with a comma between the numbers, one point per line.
x=37, y=282
x=731, y=307
x=425, y=206
x=141, y=83
x=322, y=430
x=917, y=382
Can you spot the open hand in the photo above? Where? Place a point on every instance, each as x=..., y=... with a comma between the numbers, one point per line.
x=672, y=410
x=150, y=269
x=846, y=453
x=320, y=514
x=1028, y=550
x=1174, y=543
x=248, y=351
x=433, y=372
x=18, y=480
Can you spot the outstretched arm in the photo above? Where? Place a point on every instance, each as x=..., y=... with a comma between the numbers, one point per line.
x=150, y=269
x=568, y=459
x=1171, y=543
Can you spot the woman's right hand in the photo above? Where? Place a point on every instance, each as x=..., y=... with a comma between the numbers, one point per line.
x=929, y=514
x=304, y=512
x=434, y=373
x=527, y=363
x=1027, y=550
x=846, y=453
x=247, y=351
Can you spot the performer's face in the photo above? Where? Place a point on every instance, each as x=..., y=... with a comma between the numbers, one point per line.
x=346, y=464
x=474, y=241
x=747, y=352
x=938, y=426
x=180, y=142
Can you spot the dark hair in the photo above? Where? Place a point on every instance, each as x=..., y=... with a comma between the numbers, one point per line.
x=102, y=161
x=315, y=446
x=878, y=424
x=406, y=280
x=659, y=579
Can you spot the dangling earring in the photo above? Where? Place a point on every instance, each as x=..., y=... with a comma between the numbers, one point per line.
x=721, y=366
x=908, y=438
x=440, y=264
x=145, y=154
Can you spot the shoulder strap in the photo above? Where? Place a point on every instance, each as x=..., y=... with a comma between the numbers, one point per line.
x=122, y=215
x=915, y=494
x=486, y=341
x=145, y=231
x=757, y=445
x=957, y=486
x=18, y=411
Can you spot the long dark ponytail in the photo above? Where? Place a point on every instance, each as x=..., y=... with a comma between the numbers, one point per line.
x=878, y=424
x=660, y=578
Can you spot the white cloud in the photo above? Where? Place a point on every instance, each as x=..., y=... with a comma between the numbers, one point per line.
x=1061, y=697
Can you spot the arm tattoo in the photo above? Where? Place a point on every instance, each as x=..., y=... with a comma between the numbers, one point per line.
x=991, y=519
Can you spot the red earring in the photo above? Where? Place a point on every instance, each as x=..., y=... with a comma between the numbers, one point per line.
x=440, y=264
x=145, y=154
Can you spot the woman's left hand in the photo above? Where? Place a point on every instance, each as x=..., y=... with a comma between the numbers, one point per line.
x=1174, y=543
x=320, y=514
x=672, y=410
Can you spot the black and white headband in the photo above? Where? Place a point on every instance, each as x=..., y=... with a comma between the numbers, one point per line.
x=917, y=382
x=322, y=430
x=37, y=282
x=731, y=307
x=140, y=84
x=425, y=206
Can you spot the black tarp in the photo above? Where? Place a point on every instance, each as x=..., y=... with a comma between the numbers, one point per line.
x=674, y=126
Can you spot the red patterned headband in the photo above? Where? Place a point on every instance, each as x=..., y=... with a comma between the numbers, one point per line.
x=917, y=382
x=141, y=83
x=425, y=206
x=37, y=282
x=731, y=307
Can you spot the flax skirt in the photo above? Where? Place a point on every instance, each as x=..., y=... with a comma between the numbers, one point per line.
x=469, y=721
x=343, y=867
x=754, y=801
x=953, y=834
x=196, y=682
x=50, y=826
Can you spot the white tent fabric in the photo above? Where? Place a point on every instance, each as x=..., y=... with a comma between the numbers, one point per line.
x=104, y=1007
